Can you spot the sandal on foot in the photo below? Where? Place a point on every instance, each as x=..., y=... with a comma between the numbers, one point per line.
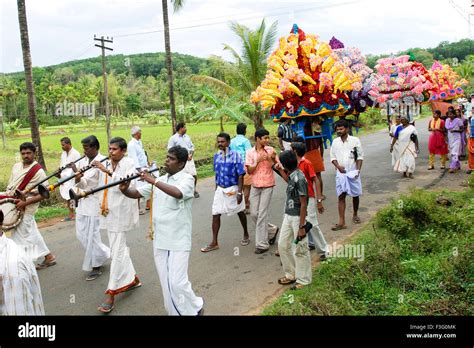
x=245, y=242
x=356, y=220
x=46, y=264
x=338, y=227
x=93, y=275
x=297, y=286
x=106, y=307
x=286, y=281
x=208, y=248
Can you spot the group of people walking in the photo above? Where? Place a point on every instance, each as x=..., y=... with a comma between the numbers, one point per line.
x=244, y=184
x=449, y=135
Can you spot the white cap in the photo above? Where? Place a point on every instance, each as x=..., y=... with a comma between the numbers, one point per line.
x=135, y=130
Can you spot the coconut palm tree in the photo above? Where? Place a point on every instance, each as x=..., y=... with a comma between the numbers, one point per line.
x=221, y=108
x=251, y=64
x=177, y=5
x=25, y=47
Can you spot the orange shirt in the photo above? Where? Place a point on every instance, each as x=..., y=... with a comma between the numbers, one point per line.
x=263, y=175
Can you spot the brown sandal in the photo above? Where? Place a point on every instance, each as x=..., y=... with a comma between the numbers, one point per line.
x=286, y=281
x=338, y=227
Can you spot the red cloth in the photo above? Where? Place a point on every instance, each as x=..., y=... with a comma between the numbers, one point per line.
x=307, y=168
x=26, y=180
x=437, y=143
x=314, y=156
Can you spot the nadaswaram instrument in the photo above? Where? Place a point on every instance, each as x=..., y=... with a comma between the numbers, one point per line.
x=57, y=172
x=10, y=216
x=52, y=187
x=77, y=196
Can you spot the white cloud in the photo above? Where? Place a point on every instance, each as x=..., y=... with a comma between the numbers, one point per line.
x=63, y=30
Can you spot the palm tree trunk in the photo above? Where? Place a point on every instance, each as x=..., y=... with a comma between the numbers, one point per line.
x=222, y=124
x=169, y=64
x=258, y=117
x=25, y=47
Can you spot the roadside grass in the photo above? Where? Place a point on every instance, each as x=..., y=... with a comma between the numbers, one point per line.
x=417, y=261
x=45, y=213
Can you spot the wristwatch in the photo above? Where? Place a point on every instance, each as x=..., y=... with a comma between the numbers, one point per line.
x=319, y=200
x=239, y=193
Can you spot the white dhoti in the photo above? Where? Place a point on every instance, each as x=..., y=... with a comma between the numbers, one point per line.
x=20, y=291
x=348, y=183
x=27, y=236
x=122, y=272
x=178, y=295
x=315, y=236
x=225, y=201
x=190, y=168
x=88, y=233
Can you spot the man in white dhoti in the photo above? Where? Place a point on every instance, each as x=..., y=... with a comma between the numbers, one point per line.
x=180, y=138
x=88, y=210
x=136, y=152
x=172, y=196
x=347, y=157
x=68, y=156
x=20, y=291
x=24, y=176
x=230, y=171
x=119, y=216
x=407, y=138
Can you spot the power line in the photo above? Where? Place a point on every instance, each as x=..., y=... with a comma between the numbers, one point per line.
x=240, y=19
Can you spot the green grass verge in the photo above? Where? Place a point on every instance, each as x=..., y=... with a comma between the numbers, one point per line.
x=45, y=213
x=417, y=261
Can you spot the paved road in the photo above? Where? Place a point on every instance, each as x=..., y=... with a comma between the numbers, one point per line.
x=232, y=280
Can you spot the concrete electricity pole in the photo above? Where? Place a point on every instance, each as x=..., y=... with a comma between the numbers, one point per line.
x=104, y=74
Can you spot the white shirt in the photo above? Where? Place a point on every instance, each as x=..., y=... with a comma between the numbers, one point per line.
x=183, y=141
x=343, y=152
x=172, y=218
x=137, y=153
x=89, y=206
x=123, y=211
x=66, y=158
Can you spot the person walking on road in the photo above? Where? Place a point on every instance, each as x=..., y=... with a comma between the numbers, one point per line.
x=229, y=169
x=347, y=157
x=259, y=161
x=180, y=138
x=241, y=145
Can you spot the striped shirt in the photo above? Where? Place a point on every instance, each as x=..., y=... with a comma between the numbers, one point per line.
x=285, y=132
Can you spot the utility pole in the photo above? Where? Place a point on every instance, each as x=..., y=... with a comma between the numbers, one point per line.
x=104, y=74
x=462, y=13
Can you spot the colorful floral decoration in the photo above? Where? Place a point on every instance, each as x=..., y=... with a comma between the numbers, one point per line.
x=305, y=77
x=353, y=58
x=400, y=85
x=446, y=83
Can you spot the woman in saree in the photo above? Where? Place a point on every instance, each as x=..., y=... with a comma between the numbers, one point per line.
x=437, y=143
x=407, y=137
x=455, y=128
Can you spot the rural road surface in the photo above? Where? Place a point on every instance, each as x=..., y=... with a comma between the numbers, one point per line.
x=232, y=280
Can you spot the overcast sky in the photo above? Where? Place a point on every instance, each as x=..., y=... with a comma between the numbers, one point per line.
x=63, y=30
